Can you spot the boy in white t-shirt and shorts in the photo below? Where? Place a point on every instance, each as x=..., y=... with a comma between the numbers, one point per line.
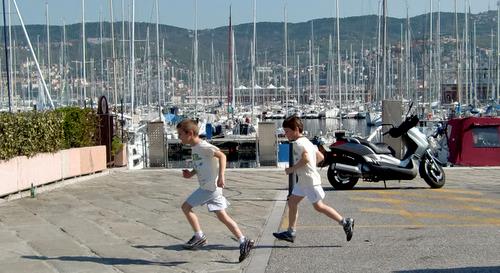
x=306, y=156
x=209, y=164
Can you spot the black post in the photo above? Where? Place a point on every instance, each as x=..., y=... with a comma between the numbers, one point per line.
x=6, y=55
x=291, y=180
x=122, y=122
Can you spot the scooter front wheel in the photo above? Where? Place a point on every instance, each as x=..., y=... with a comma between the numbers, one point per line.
x=432, y=172
x=340, y=181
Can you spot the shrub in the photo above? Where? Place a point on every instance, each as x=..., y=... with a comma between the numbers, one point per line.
x=80, y=127
x=30, y=133
x=116, y=145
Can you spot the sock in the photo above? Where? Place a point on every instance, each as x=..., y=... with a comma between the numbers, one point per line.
x=242, y=239
x=342, y=222
x=292, y=231
x=198, y=234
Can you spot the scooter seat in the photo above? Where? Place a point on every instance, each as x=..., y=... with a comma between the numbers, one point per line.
x=378, y=148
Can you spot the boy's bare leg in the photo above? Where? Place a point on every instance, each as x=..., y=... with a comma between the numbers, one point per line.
x=229, y=222
x=293, y=204
x=327, y=210
x=191, y=217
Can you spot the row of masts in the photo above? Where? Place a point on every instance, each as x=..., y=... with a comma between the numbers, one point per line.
x=408, y=67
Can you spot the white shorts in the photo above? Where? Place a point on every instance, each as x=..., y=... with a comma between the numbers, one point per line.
x=213, y=199
x=313, y=193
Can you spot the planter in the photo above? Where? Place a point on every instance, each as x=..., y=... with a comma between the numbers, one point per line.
x=17, y=174
x=121, y=157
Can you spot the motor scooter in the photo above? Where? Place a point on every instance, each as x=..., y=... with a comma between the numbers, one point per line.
x=352, y=158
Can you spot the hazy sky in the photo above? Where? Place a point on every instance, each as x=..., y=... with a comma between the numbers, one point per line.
x=215, y=13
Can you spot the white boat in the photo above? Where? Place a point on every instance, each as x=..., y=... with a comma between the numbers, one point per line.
x=374, y=118
x=312, y=114
x=332, y=113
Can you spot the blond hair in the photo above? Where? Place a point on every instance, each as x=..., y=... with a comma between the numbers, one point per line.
x=188, y=125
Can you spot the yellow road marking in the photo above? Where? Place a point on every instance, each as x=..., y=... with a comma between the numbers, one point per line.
x=427, y=215
x=470, y=192
x=444, y=196
x=397, y=191
x=394, y=201
x=380, y=200
x=401, y=226
x=478, y=209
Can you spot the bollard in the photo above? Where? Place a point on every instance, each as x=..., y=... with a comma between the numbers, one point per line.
x=290, y=164
x=32, y=191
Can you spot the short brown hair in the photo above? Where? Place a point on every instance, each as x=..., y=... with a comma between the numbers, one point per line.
x=293, y=123
x=187, y=125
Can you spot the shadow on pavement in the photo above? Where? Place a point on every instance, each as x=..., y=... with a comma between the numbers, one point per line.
x=479, y=269
x=179, y=247
x=103, y=260
x=382, y=188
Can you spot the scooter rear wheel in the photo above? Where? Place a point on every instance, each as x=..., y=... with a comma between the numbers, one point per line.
x=340, y=181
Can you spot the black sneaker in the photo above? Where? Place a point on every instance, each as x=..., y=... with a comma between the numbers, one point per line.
x=245, y=249
x=348, y=228
x=195, y=243
x=285, y=236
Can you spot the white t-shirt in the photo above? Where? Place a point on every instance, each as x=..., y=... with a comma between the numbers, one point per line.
x=206, y=165
x=307, y=175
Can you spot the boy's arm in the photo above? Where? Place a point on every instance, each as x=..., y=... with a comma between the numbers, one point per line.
x=319, y=157
x=222, y=167
x=301, y=163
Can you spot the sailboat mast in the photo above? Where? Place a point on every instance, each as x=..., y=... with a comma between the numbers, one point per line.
x=458, y=61
x=439, y=52
x=124, y=64
x=48, y=47
x=6, y=57
x=158, y=87
x=115, y=97
x=339, y=80
x=298, y=79
x=384, y=50
x=230, y=64
x=408, y=52
x=466, y=55
x=430, y=58
x=84, y=80
x=132, y=60
x=286, y=61
x=474, y=66
x=254, y=45
x=498, y=52
x=102, y=54
x=196, y=58
x=33, y=55
x=233, y=71
x=63, y=66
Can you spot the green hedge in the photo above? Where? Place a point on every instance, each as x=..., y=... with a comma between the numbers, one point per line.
x=30, y=133
x=80, y=127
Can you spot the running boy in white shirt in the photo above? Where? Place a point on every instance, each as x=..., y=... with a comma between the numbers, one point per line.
x=306, y=156
x=209, y=165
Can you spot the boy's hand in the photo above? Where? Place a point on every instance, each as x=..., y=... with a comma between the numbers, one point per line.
x=289, y=170
x=186, y=173
x=220, y=182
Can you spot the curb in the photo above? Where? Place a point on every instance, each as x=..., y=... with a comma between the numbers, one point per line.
x=53, y=185
x=262, y=252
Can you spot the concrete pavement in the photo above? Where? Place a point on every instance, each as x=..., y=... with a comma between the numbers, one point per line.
x=130, y=221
